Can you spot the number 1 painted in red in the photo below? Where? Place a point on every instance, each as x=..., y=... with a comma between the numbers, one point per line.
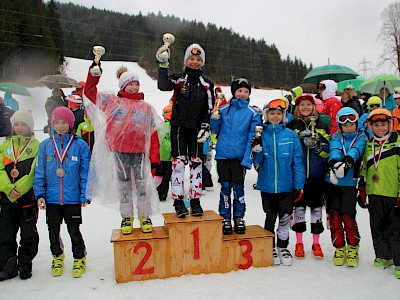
x=196, y=243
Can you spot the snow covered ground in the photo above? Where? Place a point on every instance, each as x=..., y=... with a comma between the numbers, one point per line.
x=305, y=279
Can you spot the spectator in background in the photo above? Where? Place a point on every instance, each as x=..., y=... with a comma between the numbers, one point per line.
x=56, y=99
x=350, y=99
x=327, y=90
x=5, y=125
x=387, y=99
x=10, y=101
x=75, y=105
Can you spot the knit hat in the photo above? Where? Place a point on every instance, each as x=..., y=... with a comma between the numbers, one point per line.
x=127, y=78
x=23, y=116
x=396, y=92
x=63, y=113
x=239, y=83
x=305, y=96
x=195, y=49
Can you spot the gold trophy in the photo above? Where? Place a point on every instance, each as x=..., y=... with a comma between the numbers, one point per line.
x=259, y=129
x=257, y=140
x=220, y=96
x=313, y=120
x=168, y=39
x=98, y=52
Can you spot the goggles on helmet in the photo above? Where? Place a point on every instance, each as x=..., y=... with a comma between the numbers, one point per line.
x=277, y=104
x=347, y=118
x=374, y=105
x=379, y=118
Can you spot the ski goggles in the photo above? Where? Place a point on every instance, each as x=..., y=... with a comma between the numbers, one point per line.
x=374, y=105
x=277, y=104
x=321, y=86
x=347, y=118
x=379, y=118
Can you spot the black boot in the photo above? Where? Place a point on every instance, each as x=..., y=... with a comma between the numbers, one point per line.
x=10, y=269
x=180, y=208
x=226, y=227
x=240, y=225
x=195, y=207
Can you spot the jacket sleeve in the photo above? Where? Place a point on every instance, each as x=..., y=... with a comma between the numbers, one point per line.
x=299, y=170
x=336, y=148
x=5, y=183
x=248, y=157
x=334, y=108
x=164, y=82
x=90, y=89
x=359, y=147
x=84, y=169
x=155, y=148
x=25, y=183
x=39, y=182
x=216, y=125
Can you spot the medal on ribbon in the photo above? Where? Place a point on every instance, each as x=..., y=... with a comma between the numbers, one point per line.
x=61, y=171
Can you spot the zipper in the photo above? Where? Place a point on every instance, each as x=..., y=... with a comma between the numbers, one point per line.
x=275, y=163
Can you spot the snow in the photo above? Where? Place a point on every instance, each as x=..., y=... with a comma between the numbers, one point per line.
x=305, y=279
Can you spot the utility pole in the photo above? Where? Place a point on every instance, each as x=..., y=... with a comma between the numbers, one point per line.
x=365, y=67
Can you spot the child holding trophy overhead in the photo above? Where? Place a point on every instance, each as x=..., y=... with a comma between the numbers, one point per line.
x=60, y=185
x=192, y=100
x=314, y=137
x=130, y=131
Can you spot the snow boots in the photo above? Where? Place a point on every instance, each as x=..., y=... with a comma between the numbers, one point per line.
x=145, y=224
x=285, y=256
x=381, y=262
x=396, y=272
x=10, y=269
x=226, y=227
x=79, y=267
x=317, y=251
x=240, y=225
x=195, y=207
x=340, y=256
x=127, y=225
x=57, y=265
x=180, y=208
x=352, y=256
x=299, y=251
x=275, y=258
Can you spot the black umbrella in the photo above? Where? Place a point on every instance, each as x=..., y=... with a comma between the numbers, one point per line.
x=58, y=81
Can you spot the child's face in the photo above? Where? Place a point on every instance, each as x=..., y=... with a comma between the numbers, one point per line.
x=20, y=128
x=349, y=127
x=380, y=129
x=275, y=116
x=132, y=87
x=61, y=127
x=305, y=108
x=397, y=101
x=194, y=62
x=242, y=93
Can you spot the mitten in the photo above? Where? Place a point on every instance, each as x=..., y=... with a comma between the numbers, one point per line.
x=362, y=197
x=330, y=165
x=342, y=168
x=204, y=133
x=296, y=195
x=162, y=56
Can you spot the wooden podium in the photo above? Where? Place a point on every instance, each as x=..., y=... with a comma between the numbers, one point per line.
x=190, y=245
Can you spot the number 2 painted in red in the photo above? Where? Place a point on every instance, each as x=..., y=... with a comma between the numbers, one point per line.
x=139, y=269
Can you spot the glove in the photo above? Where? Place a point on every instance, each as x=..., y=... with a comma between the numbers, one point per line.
x=342, y=168
x=296, y=195
x=162, y=56
x=94, y=64
x=256, y=144
x=362, y=197
x=331, y=165
x=215, y=116
x=41, y=202
x=204, y=133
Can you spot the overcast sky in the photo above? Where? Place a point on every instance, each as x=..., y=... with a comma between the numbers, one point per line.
x=343, y=31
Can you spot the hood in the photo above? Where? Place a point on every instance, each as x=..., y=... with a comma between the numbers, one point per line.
x=330, y=90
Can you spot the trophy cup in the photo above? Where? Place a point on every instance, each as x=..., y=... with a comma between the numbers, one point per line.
x=313, y=123
x=257, y=138
x=259, y=129
x=220, y=96
x=98, y=51
x=168, y=39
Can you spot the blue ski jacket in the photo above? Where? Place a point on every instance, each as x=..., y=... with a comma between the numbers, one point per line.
x=71, y=188
x=235, y=129
x=281, y=167
x=354, y=144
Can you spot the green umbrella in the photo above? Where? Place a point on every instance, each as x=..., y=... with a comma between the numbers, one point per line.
x=376, y=83
x=355, y=83
x=14, y=88
x=335, y=72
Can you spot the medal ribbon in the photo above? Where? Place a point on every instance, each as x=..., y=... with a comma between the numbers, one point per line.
x=61, y=158
x=376, y=163
x=22, y=151
x=351, y=145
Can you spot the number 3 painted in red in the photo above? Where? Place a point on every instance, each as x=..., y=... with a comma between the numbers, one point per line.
x=246, y=254
x=139, y=269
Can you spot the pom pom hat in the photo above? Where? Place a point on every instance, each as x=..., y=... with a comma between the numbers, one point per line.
x=23, y=116
x=195, y=50
x=63, y=113
x=127, y=78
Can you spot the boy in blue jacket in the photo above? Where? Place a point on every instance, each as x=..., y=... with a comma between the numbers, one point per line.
x=235, y=126
x=60, y=186
x=281, y=175
x=346, y=149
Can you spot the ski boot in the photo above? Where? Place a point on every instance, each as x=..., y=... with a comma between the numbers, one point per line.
x=352, y=256
x=145, y=224
x=340, y=256
x=299, y=251
x=285, y=256
x=10, y=269
x=381, y=262
x=127, y=225
x=195, y=207
x=57, y=265
x=226, y=227
x=240, y=225
x=317, y=251
x=79, y=267
x=180, y=208
x=275, y=258
x=396, y=272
